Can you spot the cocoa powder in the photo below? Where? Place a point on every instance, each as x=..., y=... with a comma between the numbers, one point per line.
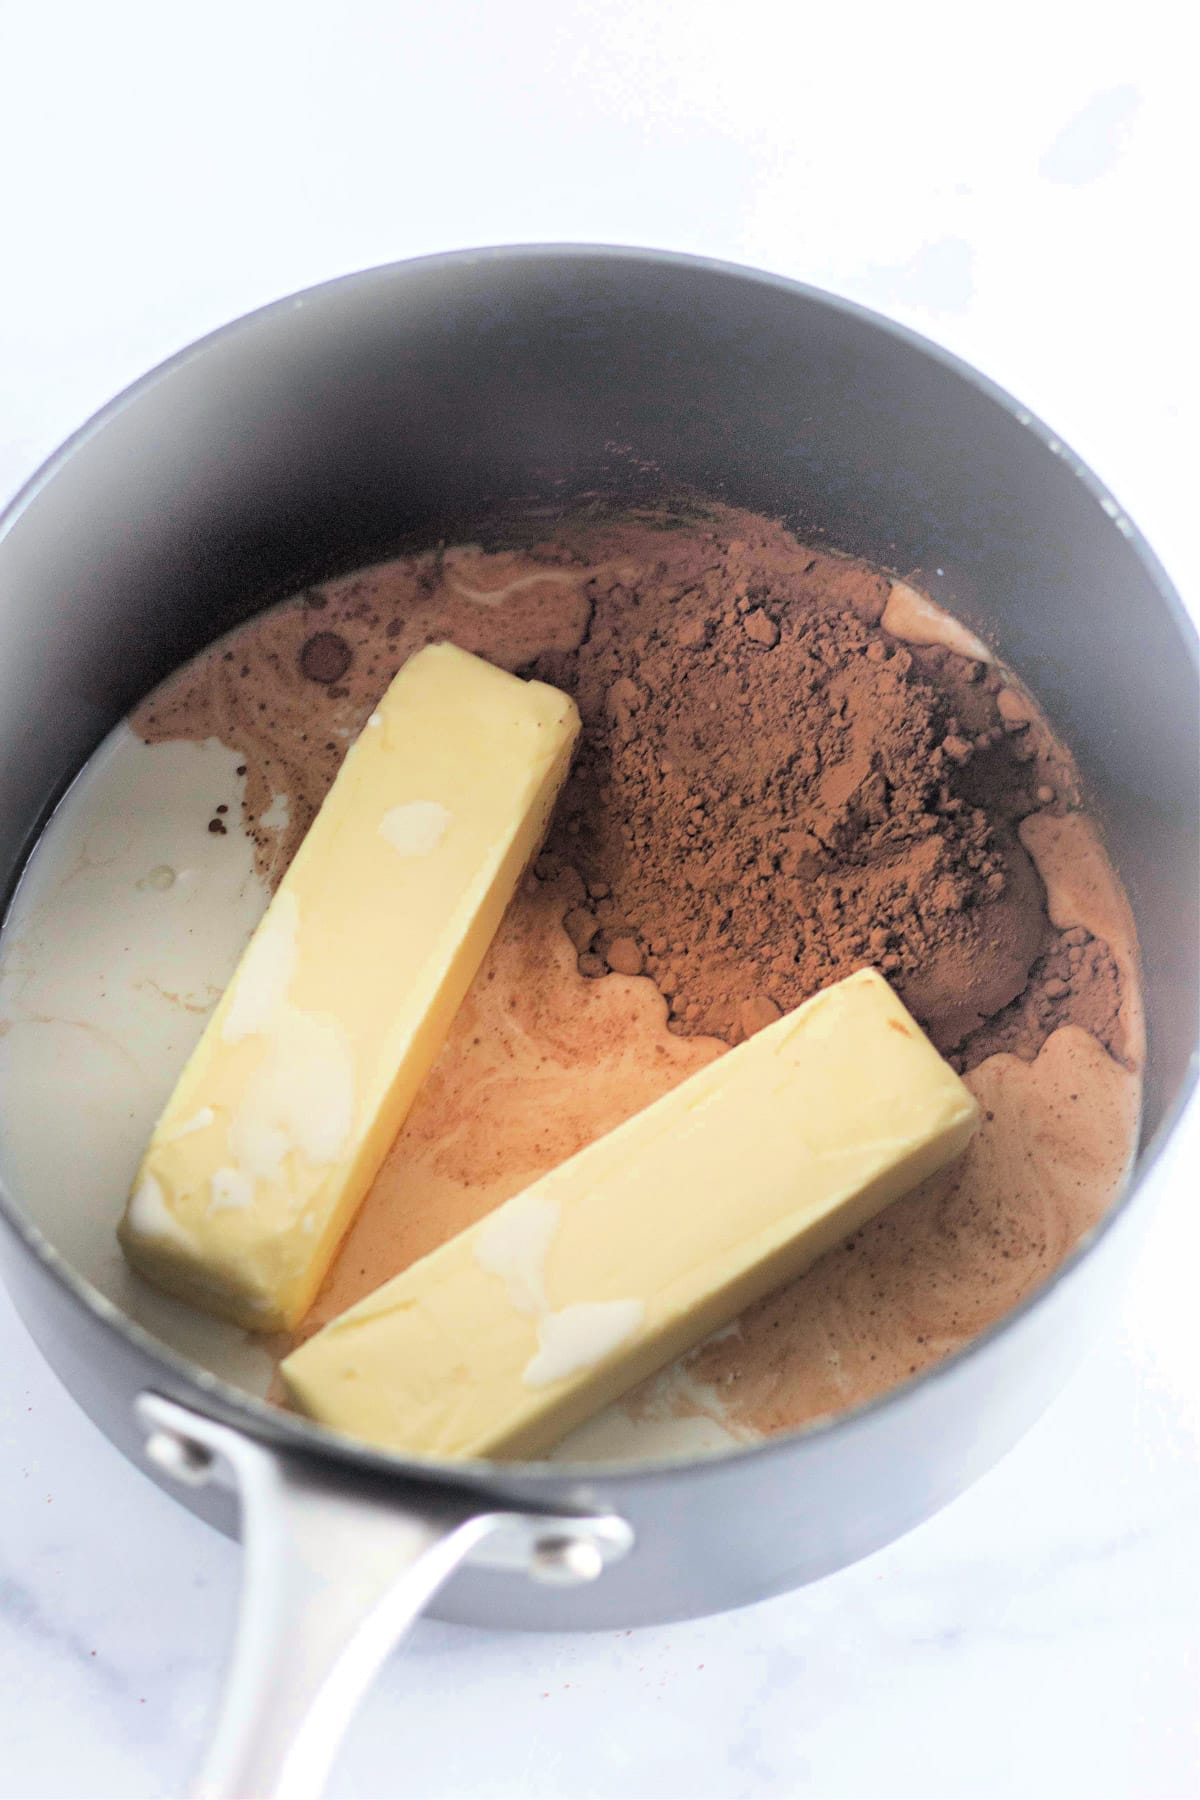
x=772, y=791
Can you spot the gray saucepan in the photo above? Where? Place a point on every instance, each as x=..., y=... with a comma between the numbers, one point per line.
x=396, y=408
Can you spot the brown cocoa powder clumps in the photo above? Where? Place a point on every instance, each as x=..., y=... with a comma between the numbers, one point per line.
x=325, y=657
x=1074, y=982
x=775, y=792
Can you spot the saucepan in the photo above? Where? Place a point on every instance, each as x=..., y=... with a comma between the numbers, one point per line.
x=393, y=409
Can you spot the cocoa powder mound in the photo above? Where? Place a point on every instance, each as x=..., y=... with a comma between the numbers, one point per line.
x=772, y=791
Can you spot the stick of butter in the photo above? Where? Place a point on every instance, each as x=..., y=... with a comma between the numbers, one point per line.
x=347, y=988
x=515, y=1331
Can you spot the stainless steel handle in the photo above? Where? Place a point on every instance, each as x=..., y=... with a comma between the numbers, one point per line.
x=332, y=1579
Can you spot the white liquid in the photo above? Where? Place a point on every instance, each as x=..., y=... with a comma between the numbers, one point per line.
x=579, y=1337
x=514, y=1244
x=125, y=929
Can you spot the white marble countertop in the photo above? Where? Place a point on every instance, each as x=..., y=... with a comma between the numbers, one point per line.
x=1014, y=197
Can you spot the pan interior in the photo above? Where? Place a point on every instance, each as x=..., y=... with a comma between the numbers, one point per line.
x=126, y=928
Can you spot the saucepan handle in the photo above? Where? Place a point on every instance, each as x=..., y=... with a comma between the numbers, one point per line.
x=333, y=1577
